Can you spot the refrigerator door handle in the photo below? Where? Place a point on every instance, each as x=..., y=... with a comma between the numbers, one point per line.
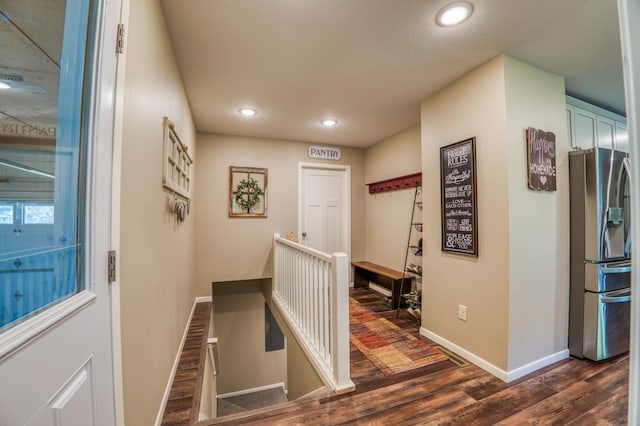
x=616, y=269
x=623, y=296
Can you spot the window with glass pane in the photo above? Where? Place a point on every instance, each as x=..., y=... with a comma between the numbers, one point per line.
x=42, y=98
x=6, y=214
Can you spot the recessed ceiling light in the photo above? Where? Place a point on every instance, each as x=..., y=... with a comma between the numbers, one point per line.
x=4, y=86
x=248, y=112
x=454, y=13
x=329, y=122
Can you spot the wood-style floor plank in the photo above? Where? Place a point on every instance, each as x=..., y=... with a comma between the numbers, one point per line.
x=569, y=392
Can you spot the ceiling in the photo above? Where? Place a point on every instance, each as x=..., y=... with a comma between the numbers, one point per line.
x=31, y=44
x=369, y=63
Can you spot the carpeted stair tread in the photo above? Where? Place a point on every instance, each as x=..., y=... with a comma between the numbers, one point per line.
x=250, y=401
x=265, y=413
x=259, y=399
x=226, y=408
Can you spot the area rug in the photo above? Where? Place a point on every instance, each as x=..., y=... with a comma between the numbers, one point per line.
x=388, y=347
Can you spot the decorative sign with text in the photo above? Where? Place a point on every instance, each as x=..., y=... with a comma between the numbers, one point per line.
x=458, y=197
x=541, y=159
x=325, y=152
x=47, y=131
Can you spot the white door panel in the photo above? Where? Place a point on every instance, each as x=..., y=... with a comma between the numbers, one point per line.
x=324, y=210
x=74, y=404
x=314, y=235
x=55, y=335
x=333, y=228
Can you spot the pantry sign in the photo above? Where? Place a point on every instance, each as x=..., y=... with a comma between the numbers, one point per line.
x=325, y=152
x=541, y=160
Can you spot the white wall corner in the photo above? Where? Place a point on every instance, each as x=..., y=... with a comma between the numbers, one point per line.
x=537, y=364
x=506, y=376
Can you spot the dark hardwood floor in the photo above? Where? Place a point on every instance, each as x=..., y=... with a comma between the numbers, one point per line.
x=569, y=392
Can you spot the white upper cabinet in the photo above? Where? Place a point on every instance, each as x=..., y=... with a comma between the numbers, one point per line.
x=622, y=137
x=606, y=132
x=589, y=126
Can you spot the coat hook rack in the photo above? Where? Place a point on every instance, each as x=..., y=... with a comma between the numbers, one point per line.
x=394, y=184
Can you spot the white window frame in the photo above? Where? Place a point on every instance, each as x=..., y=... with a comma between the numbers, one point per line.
x=177, y=162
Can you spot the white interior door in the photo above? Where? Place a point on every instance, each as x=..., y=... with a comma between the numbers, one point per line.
x=55, y=329
x=324, y=210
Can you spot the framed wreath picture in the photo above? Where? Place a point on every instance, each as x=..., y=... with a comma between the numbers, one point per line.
x=247, y=192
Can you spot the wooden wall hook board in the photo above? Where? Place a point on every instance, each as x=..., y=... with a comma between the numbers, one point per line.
x=393, y=184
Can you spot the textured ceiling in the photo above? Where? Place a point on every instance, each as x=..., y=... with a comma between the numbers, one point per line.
x=369, y=63
x=30, y=42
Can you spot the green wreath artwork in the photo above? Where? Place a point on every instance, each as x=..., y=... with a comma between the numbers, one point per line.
x=248, y=193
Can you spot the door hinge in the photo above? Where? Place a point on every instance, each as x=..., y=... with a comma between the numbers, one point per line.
x=112, y=266
x=120, y=39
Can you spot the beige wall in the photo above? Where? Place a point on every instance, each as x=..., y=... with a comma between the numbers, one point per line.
x=387, y=215
x=240, y=248
x=239, y=327
x=302, y=378
x=516, y=290
x=157, y=258
x=472, y=106
x=538, y=221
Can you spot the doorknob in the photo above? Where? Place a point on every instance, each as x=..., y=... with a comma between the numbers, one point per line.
x=304, y=235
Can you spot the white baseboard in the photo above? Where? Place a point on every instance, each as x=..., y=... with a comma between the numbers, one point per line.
x=516, y=373
x=252, y=390
x=507, y=376
x=167, y=389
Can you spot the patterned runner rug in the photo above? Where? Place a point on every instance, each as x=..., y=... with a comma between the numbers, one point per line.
x=388, y=347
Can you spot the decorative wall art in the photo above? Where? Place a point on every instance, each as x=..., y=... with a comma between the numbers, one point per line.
x=247, y=192
x=458, y=197
x=541, y=160
x=176, y=173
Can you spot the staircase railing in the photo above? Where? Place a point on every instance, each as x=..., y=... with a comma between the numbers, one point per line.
x=311, y=289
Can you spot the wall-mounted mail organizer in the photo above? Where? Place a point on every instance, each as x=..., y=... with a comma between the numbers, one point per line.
x=394, y=184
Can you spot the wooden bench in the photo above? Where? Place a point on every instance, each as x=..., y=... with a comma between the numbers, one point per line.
x=365, y=272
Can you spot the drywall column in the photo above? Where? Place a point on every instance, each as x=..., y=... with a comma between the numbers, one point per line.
x=474, y=105
x=538, y=221
x=516, y=289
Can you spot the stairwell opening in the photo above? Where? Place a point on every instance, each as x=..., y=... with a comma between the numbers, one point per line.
x=251, y=376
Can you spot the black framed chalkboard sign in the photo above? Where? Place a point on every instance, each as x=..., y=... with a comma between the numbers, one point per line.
x=458, y=197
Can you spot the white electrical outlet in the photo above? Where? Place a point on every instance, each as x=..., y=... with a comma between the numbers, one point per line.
x=462, y=312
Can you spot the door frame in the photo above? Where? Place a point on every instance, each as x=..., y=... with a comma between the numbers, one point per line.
x=116, y=177
x=102, y=130
x=628, y=12
x=346, y=195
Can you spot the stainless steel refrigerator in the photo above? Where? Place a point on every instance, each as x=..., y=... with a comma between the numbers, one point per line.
x=600, y=294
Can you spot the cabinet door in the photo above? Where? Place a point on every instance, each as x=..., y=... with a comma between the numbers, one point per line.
x=622, y=137
x=584, y=129
x=606, y=132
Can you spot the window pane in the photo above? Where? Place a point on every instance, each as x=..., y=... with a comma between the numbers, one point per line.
x=37, y=214
x=41, y=153
x=6, y=214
